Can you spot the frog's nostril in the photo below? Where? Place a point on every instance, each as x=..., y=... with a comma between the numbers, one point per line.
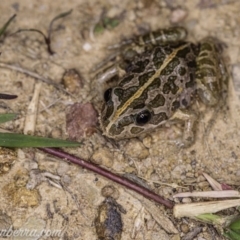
x=108, y=94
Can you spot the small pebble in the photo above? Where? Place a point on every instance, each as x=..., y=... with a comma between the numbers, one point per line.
x=81, y=120
x=186, y=200
x=5, y=222
x=87, y=47
x=236, y=76
x=136, y=149
x=203, y=184
x=148, y=141
x=184, y=228
x=178, y=15
x=72, y=80
x=56, y=133
x=103, y=157
x=110, y=191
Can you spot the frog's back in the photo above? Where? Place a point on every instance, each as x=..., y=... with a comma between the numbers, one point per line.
x=156, y=84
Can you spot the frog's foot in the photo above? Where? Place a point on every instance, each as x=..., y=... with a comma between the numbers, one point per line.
x=189, y=118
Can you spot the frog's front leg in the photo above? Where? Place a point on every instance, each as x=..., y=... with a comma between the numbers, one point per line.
x=189, y=118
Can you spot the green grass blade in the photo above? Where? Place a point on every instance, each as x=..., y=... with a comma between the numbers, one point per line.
x=209, y=218
x=231, y=235
x=20, y=140
x=5, y=117
x=235, y=225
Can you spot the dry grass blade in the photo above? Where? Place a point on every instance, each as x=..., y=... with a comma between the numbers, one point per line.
x=195, y=209
x=5, y=26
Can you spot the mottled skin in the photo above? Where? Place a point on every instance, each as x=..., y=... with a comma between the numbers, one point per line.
x=162, y=76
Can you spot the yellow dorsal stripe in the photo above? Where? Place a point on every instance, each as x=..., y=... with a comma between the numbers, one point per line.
x=139, y=92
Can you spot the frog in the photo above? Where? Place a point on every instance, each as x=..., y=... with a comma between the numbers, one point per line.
x=162, y=75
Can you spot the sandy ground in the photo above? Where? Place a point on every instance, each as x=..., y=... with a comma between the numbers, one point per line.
x=65, y=197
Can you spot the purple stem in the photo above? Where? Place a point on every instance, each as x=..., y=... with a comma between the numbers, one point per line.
x=103, y=172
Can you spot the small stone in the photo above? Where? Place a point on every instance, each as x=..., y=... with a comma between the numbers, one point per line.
x=154, y=177
x=113, y=12
x=110, y=191
x=236, y=76
x=176, y=237
x=147, y=141
x=34, y=224
x=201, y=178
x=21, y=178
x=72, y=80
x=134, y=148
x=22, y=197
x=5, y=222
x=160, y=234
x=103, y=157
x=130, y=169
x=186, y=200
x=87, y=47
x=189, y=180
x=184, y=228
x=7, y=159
x=131, y=15
x=178, y=171
x=178, y=15
x=190, y=175
x=108, y=222
x=81, y=120
x=203, y=184
x=238, y=173
x=56, y=133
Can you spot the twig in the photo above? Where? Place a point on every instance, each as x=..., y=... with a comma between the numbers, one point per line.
x=30, y=119
x=47, y=38
x=103, y=172
x=34, y=75
x=7, y=96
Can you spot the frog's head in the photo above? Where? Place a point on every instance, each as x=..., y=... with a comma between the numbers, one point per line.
x=124, y=115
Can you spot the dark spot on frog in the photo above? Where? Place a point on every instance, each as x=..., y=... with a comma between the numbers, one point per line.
x=158, y=118
x=184, y=102
x=145, y=77
x=119, y=92
x=158, y=101
x=175, y=105
x=139, y=66
x=171, y=66
x=136, y=130
x=170, y=86
x=191, y=83
x=182, y=71
x=126, y=80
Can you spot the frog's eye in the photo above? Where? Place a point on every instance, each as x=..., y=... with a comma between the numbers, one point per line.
x=143, y=117
x=107, y=94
